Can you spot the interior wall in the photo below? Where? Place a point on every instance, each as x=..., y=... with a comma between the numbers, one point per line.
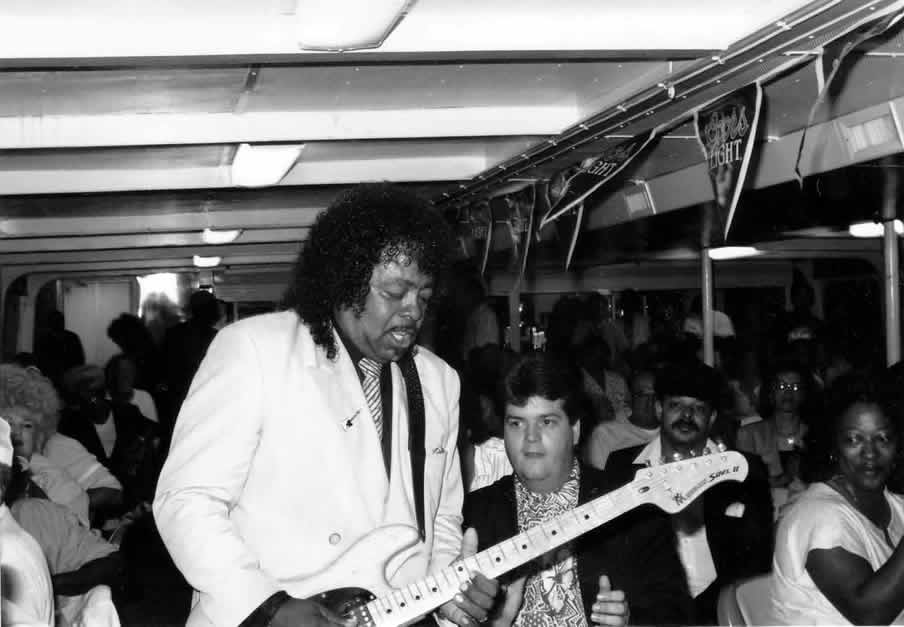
x=89, y=307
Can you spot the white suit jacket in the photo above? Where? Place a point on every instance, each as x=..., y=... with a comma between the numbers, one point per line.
x=275, y=469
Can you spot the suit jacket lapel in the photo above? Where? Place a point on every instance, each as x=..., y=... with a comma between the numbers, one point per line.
x=338, y=381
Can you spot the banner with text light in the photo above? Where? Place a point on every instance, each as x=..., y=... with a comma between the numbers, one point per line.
x=475, y=233
x=591, y=174
x=726, y=130
x=830, y=61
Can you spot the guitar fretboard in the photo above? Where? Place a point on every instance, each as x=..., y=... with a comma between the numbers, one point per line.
x=419, y=598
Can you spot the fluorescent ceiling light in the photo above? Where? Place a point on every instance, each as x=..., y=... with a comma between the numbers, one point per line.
x=218, y=236
x=873, y=229
x=733, y=252
x=348, y=24
x=262, y=165
x=206, y=262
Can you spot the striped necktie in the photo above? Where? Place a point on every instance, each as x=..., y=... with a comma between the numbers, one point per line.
x=371, y=385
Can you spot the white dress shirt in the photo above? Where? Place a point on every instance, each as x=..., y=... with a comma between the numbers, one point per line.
x=693, y=547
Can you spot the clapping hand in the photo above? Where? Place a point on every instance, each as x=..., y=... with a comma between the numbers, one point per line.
x=610, y=607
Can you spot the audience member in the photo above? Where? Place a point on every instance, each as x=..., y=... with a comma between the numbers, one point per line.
x=483, y=454
x=44, y=478
x=839, y=557
x=723, y=332
x=600, y=381
x=726, y=534
x=639, y=426
x=281, y=461
x=77, y=557
x=778, y=436
x=800, y=322
x=184, y=347
x=57, y=349
x=120, y=373
x=26, y=592
x=30, y=402
x=465, y=319
x=628, y=563
x=134, y=339
x=115, y=433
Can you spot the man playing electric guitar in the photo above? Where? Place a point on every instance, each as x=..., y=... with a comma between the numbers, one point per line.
x=305, y=430
x=629, y=567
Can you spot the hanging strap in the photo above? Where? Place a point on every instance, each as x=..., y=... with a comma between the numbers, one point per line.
x=416, y=436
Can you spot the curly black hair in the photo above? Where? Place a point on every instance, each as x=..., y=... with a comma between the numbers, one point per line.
x=368, y=224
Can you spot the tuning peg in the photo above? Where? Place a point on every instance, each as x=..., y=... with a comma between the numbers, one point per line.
x=677, y=457
x=706, y=451
x=721, y=446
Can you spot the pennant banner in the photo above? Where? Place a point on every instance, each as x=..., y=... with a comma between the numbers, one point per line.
x=726, y=131
x=829, y=62
x=475, y=233
x=590, y=175
x=561, y=235
x=528, y=234
x=569, y=227
x=519, y=225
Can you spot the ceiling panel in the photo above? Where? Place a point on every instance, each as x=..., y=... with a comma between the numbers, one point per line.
x=141, y=91
x=119, y=121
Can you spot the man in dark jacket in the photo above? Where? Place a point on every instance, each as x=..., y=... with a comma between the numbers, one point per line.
x=628, y=566
x=116, y=433
x=184, y=347
x=726, y=534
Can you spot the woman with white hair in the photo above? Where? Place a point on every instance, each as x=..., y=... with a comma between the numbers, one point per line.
x=58, y=465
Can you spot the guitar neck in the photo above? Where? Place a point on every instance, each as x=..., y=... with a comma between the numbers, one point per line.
x=419, y=598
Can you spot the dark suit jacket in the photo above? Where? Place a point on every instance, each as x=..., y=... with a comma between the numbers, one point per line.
x=131, y=460
x=741, y=546
x=636, y=550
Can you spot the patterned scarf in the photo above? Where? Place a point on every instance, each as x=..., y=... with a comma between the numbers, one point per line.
x=552, y=596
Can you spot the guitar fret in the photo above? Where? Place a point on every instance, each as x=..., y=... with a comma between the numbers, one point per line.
x=414, y=591
x=534, y=540
x=555, y=529
x=498, y=559
x=447, y=575
x=476, y=568
x=462, y=570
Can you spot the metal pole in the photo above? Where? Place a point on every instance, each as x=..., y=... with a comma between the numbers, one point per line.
x=515, y=318
x=706, y=280
x=892, y=295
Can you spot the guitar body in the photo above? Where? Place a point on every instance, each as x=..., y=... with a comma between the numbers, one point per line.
x=359, y=574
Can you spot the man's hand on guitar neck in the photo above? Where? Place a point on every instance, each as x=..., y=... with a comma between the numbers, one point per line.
x=297, y=612
x=474, y=602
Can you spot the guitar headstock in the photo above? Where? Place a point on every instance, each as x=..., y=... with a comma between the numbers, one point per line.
x=675, y=485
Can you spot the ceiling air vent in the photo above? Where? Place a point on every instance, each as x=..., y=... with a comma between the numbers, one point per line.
x=639, y=201
x=870, y=133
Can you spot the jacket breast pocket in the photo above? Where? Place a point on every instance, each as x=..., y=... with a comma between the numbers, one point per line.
x=435, y=459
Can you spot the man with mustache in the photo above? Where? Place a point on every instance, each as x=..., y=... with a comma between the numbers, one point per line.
x=725, y=534
x=305, y=430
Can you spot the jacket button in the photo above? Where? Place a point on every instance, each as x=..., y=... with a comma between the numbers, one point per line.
x=335, y=538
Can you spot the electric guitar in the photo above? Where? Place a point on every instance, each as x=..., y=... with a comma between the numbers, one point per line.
x=669, y=486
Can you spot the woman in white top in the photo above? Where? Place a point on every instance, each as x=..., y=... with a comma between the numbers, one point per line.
x=839, y=557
